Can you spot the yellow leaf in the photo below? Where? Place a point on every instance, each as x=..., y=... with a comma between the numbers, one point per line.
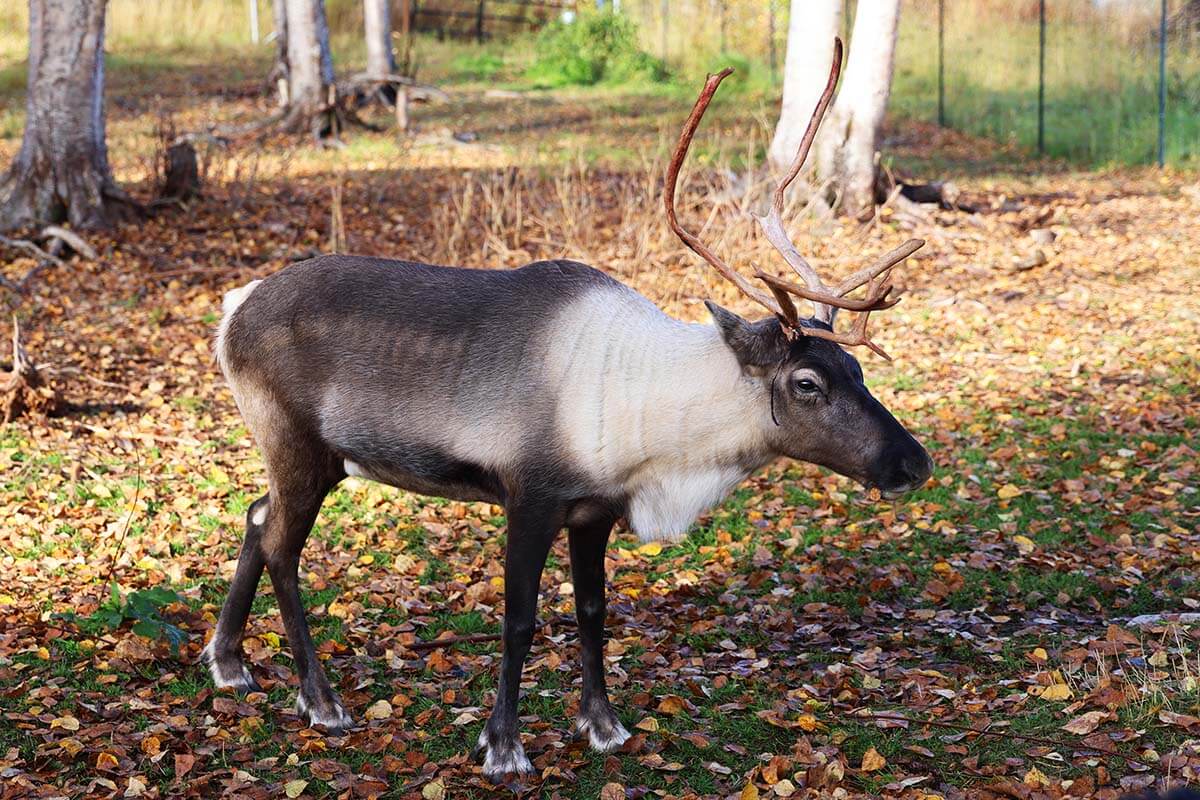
x=649, y=724
x=67, y=723
x=106, y=760
x=136, y=787
x=1040, y=654
x=807, y=722
x=1025, y=545
x=380, y=709
x=873, y=760
x=1008, y=491
x=749, y=792
x=271, y=638
x=71, y=746
x=650, y=548
x=294, y=789
x=612, y=791
x=434, y=790
x=1035, y=777
x=784, y=788
x=1057, y=691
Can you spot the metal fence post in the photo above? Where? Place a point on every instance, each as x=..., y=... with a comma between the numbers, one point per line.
x=1162, y=86
x=1041, y=111
x=941, y=63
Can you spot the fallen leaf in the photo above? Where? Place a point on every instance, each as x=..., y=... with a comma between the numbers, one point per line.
x=873, y=760
x=1085, y=723
x=295, y=788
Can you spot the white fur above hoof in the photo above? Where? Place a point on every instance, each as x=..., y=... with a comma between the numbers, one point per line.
x=605, y=733
x=334, y=719
x=226, y=675
x=502, y=760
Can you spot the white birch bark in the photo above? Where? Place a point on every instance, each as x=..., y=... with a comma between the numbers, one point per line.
x=377, y=26
x=812, y=26
x=849, y=139
x=61, y=172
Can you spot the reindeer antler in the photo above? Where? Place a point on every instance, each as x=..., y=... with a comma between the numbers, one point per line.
x=825, y=301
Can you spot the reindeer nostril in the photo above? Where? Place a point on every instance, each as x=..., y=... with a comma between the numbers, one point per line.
x=917, y=468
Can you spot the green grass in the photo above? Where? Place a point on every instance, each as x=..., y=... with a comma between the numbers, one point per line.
x=1101, y=95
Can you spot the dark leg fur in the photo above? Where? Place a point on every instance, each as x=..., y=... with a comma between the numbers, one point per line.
x=295, y=501
x=596, y=719
x=531, y=531
x=223, y=655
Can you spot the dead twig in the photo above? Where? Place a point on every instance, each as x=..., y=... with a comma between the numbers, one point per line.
x=30, y=247
x=450, y=641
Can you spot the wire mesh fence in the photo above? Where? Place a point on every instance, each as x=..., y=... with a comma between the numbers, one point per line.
x=1092, y=81
x=1074, y=79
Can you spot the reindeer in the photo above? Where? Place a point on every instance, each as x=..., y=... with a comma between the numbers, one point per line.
x=553, y=390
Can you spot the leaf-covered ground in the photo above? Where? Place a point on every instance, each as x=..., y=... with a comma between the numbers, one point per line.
x=1025, y=626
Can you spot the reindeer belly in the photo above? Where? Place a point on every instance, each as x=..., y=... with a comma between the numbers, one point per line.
x=428, y=471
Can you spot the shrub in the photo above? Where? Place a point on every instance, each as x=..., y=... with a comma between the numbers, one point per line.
x=596, y=47
x=478, y=66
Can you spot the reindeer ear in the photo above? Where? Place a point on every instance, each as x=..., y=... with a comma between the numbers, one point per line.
x=756, y=344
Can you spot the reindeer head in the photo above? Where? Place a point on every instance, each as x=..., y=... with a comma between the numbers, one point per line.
x=820, y=409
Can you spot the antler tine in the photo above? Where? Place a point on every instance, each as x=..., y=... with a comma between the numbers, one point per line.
x=879, y=266
x=810, y=133
x=779, y=305
x=772, y=222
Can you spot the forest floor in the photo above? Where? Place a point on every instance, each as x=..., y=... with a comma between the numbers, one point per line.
x=1024, y=626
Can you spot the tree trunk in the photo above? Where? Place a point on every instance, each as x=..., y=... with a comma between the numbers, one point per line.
x=377, y=25
x=812, y=26
x=849, y=139
x=61, y=171
x=310, y=65
x=279, y=70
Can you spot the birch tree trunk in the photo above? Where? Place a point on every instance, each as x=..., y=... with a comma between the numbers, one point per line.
x=377, y=25
x=61, y=172
x=279, y=70
x=849, y=139
x=310, y=65
x=812, y=26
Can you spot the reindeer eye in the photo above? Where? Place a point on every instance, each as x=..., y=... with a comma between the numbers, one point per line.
x=807, y=386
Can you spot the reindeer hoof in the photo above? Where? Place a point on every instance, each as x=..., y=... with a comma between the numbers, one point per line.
x=329, y=714
x=599, y=723
x=503, y=756
x=228, y=672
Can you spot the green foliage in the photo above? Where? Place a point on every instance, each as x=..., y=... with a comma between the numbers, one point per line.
x=142, y=607
x=595, y=48
x=477, y=66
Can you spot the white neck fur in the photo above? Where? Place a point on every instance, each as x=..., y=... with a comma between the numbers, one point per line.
x=655, y=409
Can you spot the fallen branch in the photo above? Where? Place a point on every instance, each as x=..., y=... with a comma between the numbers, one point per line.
x=30, y=247
x=1005, y=734
x=72, y=240
x=420, y=92
x=450, y=641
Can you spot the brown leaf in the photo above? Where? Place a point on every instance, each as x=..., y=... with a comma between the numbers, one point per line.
x=1086, y=723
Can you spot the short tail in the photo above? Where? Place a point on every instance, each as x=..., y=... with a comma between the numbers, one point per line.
x=232, y=301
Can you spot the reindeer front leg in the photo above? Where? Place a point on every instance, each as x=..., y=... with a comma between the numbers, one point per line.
x=531, y=530
x=596, y=719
